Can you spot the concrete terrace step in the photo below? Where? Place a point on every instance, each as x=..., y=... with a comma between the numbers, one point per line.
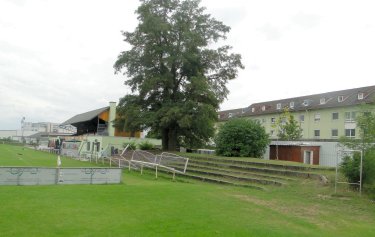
x=247, y=167
x=213, y=179
x=249, y=162
x=246, y=178
x=243, y=173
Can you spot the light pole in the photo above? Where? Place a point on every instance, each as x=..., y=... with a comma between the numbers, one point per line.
x=22, y=127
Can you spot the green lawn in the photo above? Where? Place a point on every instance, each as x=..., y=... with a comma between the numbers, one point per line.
x=20, y=156
x=143, y=206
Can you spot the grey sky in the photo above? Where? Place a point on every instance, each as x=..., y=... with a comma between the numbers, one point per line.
x=56, y=56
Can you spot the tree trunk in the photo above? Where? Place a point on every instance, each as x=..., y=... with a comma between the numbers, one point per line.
x=172, y=139
x=164, y=139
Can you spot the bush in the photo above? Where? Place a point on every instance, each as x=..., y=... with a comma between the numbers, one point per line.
x=146, y=145
x=241, y=137
x=350, y=167
x=132, y=145
x=370, y=189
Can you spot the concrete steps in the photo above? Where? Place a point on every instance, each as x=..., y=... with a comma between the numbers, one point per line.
x=250, y=173
x=215, y=179
x=248, y=167
x=193, y=166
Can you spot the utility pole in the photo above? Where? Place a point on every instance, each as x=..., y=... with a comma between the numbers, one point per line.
x=22, y=128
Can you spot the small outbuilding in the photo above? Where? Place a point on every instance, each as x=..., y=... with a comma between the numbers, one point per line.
x=302, y=153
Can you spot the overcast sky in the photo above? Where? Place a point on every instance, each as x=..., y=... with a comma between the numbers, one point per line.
x=57, y=56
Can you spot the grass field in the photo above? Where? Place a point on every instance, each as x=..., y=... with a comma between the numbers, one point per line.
x=143, y=206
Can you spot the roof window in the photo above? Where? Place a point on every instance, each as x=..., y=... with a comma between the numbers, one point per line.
x=360, y=96
x=322, y=101
x=278, y=106
x=340, y=98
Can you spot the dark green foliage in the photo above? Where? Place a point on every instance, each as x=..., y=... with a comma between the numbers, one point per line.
x=350, y=167
x=241, y=137
x=178, y=80
x=146, y=145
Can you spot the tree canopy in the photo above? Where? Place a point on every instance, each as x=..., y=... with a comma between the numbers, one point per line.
x=176, y=75
x=287, y=127
x=241, y=137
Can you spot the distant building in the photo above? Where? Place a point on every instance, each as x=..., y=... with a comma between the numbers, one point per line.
x=96, y=136
x=325, y=116
x=47, y=127
x=33, y=132
x=4, y=134
x=98, y=122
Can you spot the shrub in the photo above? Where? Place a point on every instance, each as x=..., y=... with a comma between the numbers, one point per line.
x=132, y=145
x=146, y=145
x=350, y=167
x=241, y=137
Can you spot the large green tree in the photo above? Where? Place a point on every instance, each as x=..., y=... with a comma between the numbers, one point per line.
x=177, y=77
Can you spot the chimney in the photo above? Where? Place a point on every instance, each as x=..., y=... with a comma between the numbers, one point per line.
x=112, y=116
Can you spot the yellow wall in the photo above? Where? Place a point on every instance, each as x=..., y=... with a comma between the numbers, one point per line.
x=126, y=134
x=104, y=115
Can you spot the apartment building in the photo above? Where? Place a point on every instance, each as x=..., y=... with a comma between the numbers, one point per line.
x=325, y=116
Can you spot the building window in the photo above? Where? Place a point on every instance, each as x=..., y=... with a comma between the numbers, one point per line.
x=263, y=108
x=317, y=117
x=316, y=133
x=218, y=116
x=360, y=96
x=322, y=101
x=350, y=132
x=278, y=106
x=230, y=115
x=335, y=115
x=350, y=116
x=334, y=132
x=253, y=110
x=340, y=98
x=291, y=104
x=273, y=120
x=301, y=118
x=306, y=102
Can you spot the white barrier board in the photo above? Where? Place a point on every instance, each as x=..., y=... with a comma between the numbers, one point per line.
x=48, y=176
